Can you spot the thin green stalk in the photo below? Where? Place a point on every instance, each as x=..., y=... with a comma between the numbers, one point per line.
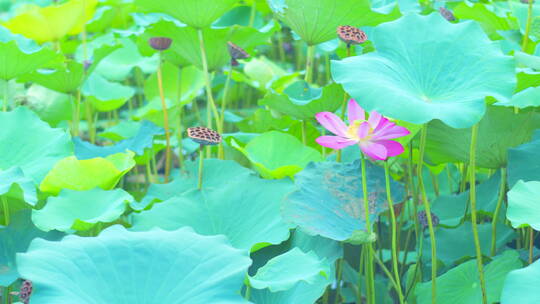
x=423, y=136
x=5, y=206
x=472, y=198
x=201, y=162
x=343, y=105
x=527, y=27
x=370, y=284
x=339, y=271
x=76, y=114
x=247, y=295
x=252, y=13
x=148, y=172
x=500, y=199
x=90, y=121
x=531, y=245
x=6, y=296
x=179, y=130
x=6, y=96
x=280, y=43
x=361, y=266
x=310, y=64
x=165, y=124
x=304, y=135
x=389, y=275
x=224, y=100
x=416, y=268
x=394, y=232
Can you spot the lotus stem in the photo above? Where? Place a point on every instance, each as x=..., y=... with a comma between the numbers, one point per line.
x=6, y=94
x=388, y=274
x=165, y=123
x=370, y=284
x=394, y=232
x=423, y=136
x=339, y=274
x=6, y=297
x=179, y=130
x=531, y=245
x=201, y=163
x=5, y=206
x=76, y=114
x=502, y=192
x=223, y=108
x=527, y=27
x=472, y=198
x=252, y=13
x=310, y=64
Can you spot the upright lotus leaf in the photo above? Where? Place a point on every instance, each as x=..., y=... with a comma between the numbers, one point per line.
x=29, y=143
x=14, y=182
x=520, y=12
x=264, y=120
x=53, y=22
x=460, y=285
x=261, y=72
x=81, y=210
x=524, y=205
x=25, y=44
x=301, y=101
x=16, y=61
x=315, y=21
x=244, y=208
x=72, y=173
x=284, y=271
x=15, y=238
x=195, y=13
x=485, y=15
x=523, y=163
x=426, y=68
x=51, y=106
x=105, y=95
x=530, y=97
x=122, y=267
x=178, y=84
x=521, y=285
x=302, y=292
x=138, y=143
x=499, y=130
x=277, y=155
x=457, y=243
x=67, y=79
x=329, y=200
x=123, y=130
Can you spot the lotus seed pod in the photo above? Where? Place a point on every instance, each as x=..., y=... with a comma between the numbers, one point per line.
x=351, y=35
x=422, y=218
x=160, y=43
x=447, y=14
x=26, y=291
x=236, y=53
x=204, y=136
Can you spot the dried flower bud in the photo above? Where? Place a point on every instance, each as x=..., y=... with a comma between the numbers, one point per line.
x=422, y=218
x=26, y=291
x=160, y=43
x=204, y=136
x=447, y=14
x=236, y=53
x=351, y=35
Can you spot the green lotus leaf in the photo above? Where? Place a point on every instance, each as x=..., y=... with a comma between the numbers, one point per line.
x=29, y=143
x=315, y=21
x=72, y=173
x=329, y=200
x=81, y=210
x=524, y=204
x=51, y=106
x=104, y=95
x=520, y=12
x=261, y=72
x=123, y=130
x=138, y=143
x=67, y=79
x=178, y=84
x=527, y=60
x=485, y=15
x=13, y=182
x=426, y=68
x=124, y=267
x=460, y=285
x=25, y=44
x=15, y=61
x=302, y=101
x=15, y=238
x=245, y=209
x=277, y=155
x=523, y=162
x=530, y=97
x=195, y=13
x=241, y=15
x=521, y=285
x=153, y=111
x=499, y=130
x=302, y=292
x=457, y=243
x=284, y=271
x=262, y=121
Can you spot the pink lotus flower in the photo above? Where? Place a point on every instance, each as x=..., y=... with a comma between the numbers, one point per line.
x=372, y=135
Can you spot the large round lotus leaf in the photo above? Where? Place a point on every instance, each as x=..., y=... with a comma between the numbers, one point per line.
x=195, y=13
x=105, y=95
x=186, y=82
x=15, y=61
x=485, y=16
x=427, y=68
x=523, y=161
x=53, y=22
x=124, y=267
x=499, y=130
x=277, y=155
x=315, y=21
x=67, y=79
x=143, y=139
x=15, y=238
x=524, y=204
x=284, y=271
x=80, y=210
x=14, y=182
x=302, y=292
x=460, y=285
x=329, y=200
x=521, y=285
x=72, y=173
x=29, y=143
x=530, y=97
x=244, y=208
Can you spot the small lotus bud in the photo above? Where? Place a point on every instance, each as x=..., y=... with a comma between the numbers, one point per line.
x=160, y=43
x=351, y=35
x=204, y=136
x=447, y=14
x=422, y=218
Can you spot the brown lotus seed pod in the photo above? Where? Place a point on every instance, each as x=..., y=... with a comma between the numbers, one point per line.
x=160, y=43
x=447, y=14
x=26, y=291
x=204, y=136
x=351, y=35
x=236, y=53
x=422, y=218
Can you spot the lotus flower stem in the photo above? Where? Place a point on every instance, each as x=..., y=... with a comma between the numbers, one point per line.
x=310, y=64
x=76, y=114
x=165, y=123
x=394, y=232
x=370, y=284
x=500, y=199
x=527, y=27
x=252, y=13
x=388, y=274
x=247, y=295
x=343, y=105
x=179, y=121
x=423, y=136
x=201, y=164
x=531, y=245
x=223, y=107
x=339, y=274
x=472, y=198
x=5, y=206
